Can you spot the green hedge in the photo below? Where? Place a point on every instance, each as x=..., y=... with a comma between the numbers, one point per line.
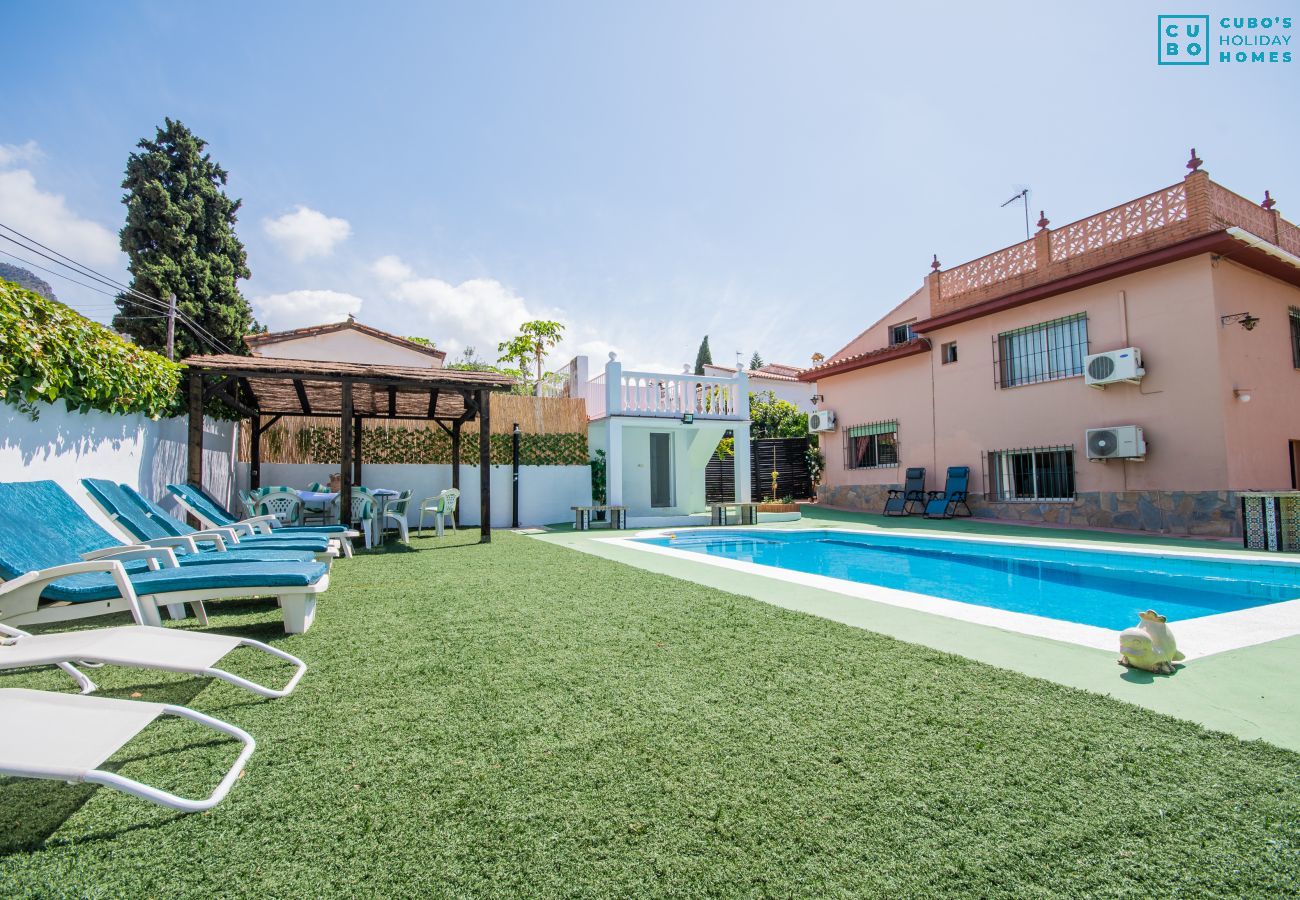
x=48, y=352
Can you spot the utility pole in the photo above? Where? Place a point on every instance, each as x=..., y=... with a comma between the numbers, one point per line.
x=171, y=326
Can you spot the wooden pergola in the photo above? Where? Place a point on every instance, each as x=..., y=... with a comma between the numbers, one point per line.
x=266, y=388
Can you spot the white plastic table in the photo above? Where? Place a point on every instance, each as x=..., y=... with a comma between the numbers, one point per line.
x=325, y=498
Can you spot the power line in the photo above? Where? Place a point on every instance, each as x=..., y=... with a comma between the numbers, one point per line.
x=86, y=270
x=130, y=293
x=28, y=262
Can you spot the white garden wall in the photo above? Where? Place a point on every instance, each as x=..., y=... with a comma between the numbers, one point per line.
x=545, y=492
x=66, y=446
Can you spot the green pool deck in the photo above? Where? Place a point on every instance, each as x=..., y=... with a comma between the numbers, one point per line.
x=1253, y=693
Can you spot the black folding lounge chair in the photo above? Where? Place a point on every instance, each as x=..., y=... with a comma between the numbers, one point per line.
x=900, y=502
x=943, y=504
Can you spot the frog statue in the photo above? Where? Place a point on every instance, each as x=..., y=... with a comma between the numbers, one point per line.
x=1149, y=645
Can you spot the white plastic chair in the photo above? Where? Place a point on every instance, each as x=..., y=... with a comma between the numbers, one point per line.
x=443, y=508
x=395, y=512
x=363, y=514
x=283, y=503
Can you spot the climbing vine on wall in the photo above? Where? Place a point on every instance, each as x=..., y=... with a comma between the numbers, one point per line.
x=421, y=446
x=48, y=352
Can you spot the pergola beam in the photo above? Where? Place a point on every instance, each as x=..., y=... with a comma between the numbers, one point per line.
x=194, y=460
x=301, y=390
x=345, y=448
x=455, y=466
x=356, y=450
x=485, y=467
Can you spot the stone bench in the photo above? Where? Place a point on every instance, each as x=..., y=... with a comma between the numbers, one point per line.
x=582, y=516
x=746, y=513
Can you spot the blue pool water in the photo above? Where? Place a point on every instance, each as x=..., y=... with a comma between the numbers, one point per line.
x=1091, y=587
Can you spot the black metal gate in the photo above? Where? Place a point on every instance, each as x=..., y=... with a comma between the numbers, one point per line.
x=787, y=456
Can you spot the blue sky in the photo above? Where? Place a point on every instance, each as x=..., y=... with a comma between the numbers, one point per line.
x=774, y=175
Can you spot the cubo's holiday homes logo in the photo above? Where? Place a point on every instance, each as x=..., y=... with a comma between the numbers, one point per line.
x=1187, y=40
x=1182, y=40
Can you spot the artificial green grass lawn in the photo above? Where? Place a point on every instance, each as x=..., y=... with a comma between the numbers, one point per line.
x=522, y=719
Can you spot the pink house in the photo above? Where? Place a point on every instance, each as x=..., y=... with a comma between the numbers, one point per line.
x=1190, y=298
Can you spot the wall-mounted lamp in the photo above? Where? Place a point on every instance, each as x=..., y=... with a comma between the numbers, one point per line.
x=818, y=398
x=1245, y=320
x=688, y=418
x=1242, y=394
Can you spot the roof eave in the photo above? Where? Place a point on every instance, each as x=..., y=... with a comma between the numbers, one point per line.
x=901, y=351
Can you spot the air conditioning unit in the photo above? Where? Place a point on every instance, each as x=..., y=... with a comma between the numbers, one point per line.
x=822, y=420
x=1116, y=442
x=1101, y=369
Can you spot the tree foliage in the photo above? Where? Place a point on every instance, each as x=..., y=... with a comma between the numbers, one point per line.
x=48, y=352
x=703, y=356
x=530, y=346
x=774, y=418
x=755, y=361
x=180, y=239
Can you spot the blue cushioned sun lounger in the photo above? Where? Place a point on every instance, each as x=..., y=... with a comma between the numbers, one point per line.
x=45, y=539
x=139, y=525
x=213, y=515
x=231, y=535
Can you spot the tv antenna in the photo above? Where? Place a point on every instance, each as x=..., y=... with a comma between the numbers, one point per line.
x=1022, y=196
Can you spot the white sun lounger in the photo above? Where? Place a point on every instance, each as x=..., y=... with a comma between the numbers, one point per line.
x=67, y=737
x=138, y=646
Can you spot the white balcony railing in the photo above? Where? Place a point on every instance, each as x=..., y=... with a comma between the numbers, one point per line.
x=664, y=395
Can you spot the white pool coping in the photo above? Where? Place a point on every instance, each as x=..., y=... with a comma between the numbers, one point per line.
x=1197, y=638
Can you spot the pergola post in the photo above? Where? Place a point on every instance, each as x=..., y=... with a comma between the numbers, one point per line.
x=345, y=448
x=356, y=451
x=194, y=459
x=255, y=453
x=455, y=466
x=485, y=467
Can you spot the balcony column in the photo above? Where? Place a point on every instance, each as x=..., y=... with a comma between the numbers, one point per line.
x=614, y=462
x=613, y=386
x=741, y=461
x=740, y=458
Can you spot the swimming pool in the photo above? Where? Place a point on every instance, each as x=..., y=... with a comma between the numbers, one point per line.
x=1102, y=588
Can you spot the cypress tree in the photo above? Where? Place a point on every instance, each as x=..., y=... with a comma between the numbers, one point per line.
x=180, y=239
x=703, y=357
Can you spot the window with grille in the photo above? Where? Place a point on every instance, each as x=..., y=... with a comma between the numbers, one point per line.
x=1043, y=352
x=873, y=446
x=1031, y=473
x=948, y=352
x=1295, y=336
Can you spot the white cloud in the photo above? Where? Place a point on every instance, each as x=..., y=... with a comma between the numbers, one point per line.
x=391, y=268
x=297, y=309
x=12, y=154
x=478, y=313
x=46, y=218
x=305, y=233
